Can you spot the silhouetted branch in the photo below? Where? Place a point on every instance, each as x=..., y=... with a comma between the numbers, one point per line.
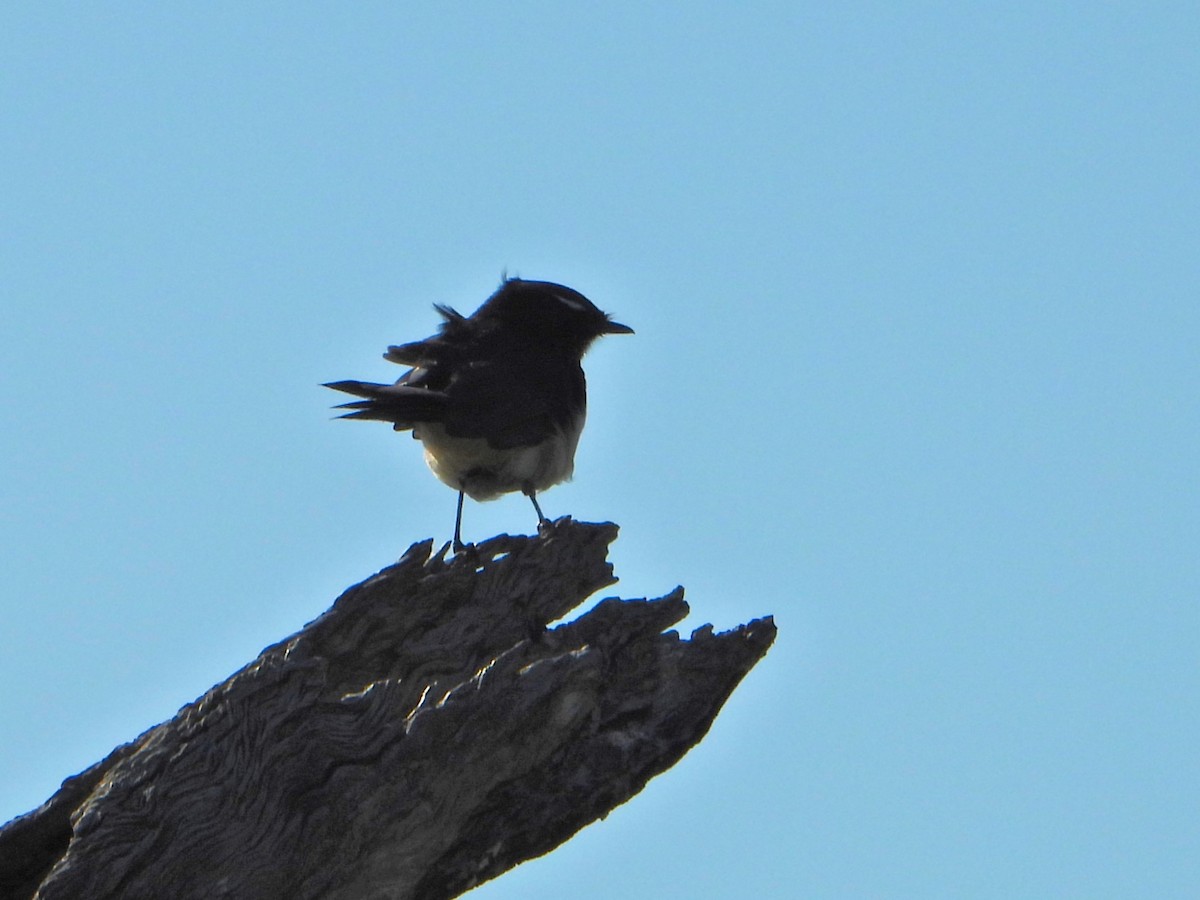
x=422, y=736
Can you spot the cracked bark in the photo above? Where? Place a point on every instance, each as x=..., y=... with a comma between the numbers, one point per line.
x=422, y=736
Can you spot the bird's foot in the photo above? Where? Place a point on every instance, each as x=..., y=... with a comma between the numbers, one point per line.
x=535, y=632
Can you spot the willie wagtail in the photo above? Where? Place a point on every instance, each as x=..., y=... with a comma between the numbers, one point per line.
x=497, y=398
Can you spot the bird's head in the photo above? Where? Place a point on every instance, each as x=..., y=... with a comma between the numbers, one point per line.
x=549, y=312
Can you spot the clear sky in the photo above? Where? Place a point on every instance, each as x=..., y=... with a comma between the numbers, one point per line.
x=917, y=298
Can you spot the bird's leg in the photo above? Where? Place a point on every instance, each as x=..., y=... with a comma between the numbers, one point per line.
x=529, y=492
x=458, y=544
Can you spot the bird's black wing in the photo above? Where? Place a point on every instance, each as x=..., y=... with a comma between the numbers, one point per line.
x=459, y=340
x=478, y=381
x=513, y=402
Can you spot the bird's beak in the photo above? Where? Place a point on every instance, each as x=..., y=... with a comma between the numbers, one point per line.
x=617, y=328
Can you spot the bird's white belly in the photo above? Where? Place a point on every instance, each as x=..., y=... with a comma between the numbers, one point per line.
x=484, y=473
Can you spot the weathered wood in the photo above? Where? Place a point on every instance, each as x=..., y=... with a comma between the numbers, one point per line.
x=422, y=736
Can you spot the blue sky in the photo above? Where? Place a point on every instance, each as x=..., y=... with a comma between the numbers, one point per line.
x=916, y=297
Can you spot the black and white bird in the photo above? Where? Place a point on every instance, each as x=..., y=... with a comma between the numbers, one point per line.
x=497, y=398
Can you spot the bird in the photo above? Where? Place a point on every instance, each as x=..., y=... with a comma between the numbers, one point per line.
x=498, y=398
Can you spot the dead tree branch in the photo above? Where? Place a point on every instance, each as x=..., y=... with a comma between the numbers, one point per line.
x=421, y=737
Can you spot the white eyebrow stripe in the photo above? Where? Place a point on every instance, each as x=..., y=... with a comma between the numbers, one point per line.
x=571, y=302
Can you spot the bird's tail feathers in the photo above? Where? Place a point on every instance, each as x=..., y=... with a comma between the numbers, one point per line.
x=399, y=404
